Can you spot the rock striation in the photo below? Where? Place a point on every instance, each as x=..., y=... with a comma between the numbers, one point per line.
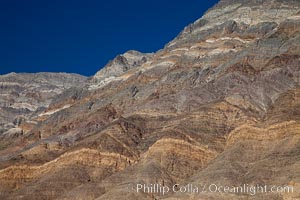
x=25, y=94
x=219, y=104
x=119, y=66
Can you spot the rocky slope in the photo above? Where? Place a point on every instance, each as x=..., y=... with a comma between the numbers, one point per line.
x=119, y=66
x=220, y=104
x=24, y=95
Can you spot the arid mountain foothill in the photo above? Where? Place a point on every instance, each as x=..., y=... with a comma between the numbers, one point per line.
x=219, y=104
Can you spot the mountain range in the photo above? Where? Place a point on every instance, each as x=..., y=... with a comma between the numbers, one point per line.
x=219, y=104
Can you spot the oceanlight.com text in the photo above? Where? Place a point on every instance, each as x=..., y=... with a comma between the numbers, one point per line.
x=210, y=188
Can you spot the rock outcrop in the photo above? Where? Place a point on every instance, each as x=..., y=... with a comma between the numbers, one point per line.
x=25, y=94
x=119, y=66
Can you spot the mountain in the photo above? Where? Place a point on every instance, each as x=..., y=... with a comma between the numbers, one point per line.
x=25, y=94
x=118, y=66
x=218, y=106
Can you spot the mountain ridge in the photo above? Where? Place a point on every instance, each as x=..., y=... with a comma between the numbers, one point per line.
x=219, y=104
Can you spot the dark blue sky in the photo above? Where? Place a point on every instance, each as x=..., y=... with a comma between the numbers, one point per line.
x=81, y=36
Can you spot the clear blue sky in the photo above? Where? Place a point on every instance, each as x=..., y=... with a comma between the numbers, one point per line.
x=81, y=36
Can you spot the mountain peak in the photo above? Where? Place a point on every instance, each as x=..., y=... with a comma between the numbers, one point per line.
x=258, y=2
x=118, y=66
x=241, y=15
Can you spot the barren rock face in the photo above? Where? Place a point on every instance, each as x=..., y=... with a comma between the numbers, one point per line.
x=23, y=95
x=220, y=104
x=119, y=66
